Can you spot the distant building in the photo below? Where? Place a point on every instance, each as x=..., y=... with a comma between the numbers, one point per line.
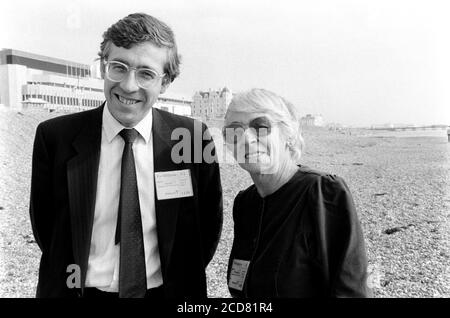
x=32, y=80
x=311, y=120
x=211, y=104
x=176, y=104
x=335, y=126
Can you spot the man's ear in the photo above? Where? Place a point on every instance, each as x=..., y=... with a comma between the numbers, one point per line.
x=102, y=69
x=164, y=85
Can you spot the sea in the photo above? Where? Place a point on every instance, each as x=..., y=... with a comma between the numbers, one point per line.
x=439, y=133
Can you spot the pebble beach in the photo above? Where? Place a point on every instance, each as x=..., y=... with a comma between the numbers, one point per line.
x=400, y=185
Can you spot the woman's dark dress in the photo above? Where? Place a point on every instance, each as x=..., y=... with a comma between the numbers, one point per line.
x=304, y=240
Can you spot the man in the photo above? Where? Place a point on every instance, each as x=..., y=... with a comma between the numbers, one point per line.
x=108, y=202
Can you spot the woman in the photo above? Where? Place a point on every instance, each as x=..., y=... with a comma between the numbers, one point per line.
x=296, y=231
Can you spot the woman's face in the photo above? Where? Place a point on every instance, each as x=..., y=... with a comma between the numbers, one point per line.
x=256, y=142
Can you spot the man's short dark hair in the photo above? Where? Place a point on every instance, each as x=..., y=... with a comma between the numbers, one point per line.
x=138, y=28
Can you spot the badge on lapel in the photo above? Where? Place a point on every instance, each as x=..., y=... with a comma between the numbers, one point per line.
x=173, y=184
x=238, y=273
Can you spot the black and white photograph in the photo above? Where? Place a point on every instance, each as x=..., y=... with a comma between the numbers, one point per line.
x=234, y=150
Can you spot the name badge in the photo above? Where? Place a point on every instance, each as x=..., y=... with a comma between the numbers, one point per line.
x=238, y=273
x=173, y=184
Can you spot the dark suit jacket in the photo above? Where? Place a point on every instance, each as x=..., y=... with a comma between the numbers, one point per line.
x=63, y=189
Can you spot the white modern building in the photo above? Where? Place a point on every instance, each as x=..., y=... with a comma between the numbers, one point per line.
x=32, y=80
x=174, y=103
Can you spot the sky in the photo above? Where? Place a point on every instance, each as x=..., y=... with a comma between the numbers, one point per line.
x=357, y=63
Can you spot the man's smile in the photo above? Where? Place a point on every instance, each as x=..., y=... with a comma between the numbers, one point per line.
x=126, y=101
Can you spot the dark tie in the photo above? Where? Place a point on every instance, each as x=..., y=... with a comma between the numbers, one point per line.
x=132, y=274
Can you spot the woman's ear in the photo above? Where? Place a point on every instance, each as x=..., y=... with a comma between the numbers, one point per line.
x=290, y=142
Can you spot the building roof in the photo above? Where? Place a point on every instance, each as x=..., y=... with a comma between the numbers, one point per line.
x=176, y=96
x=5, y=52
x=220, y=92
x=44, y=63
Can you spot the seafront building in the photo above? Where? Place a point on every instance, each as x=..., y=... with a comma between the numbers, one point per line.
x=211, y=104
x=175, y=103
x=312, y=121
x=32, y=80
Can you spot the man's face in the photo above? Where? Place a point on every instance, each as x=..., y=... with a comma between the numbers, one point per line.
x=127, y=102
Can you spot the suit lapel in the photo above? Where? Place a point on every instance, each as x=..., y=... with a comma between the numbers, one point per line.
x=82, y=173
x=166, y=210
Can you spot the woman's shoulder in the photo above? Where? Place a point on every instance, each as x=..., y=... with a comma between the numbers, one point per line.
x=246, y=193
x=329, y=195
x=243, y=199
x=327, y=191
x=316, y=179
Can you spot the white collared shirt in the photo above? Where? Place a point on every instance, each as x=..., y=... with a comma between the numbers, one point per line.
x=104, y=255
